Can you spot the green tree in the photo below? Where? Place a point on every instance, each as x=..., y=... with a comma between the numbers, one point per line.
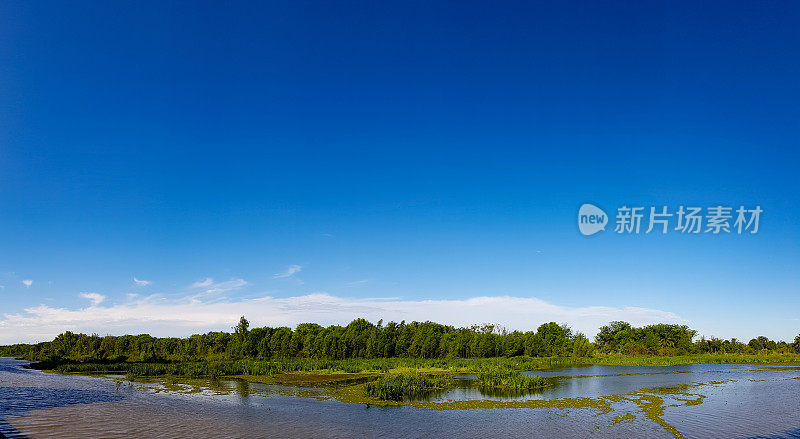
x=581, y=346
x=554, y=339
x=241, y=328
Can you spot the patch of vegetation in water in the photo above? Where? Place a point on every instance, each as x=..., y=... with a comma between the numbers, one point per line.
x=402, y=386
x=653, y=407
x=627, y=417
x=511, y=380
x=781, y=368
x=600, y=405
x=651, y=401
x=312, y=379
x=567, y=377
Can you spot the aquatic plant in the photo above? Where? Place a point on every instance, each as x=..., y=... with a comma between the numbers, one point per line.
x=510, y=379
x=397, y=387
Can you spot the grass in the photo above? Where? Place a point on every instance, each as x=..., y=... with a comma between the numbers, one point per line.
x=648, y=360
x=510, y=380
x=397, y=387
x=273, y=368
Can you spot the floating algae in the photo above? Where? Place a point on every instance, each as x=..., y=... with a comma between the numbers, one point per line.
x=627, y=417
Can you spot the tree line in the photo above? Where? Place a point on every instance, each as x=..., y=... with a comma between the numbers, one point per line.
x=363, y=339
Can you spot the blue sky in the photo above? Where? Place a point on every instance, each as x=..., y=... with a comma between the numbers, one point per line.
x=391, y=154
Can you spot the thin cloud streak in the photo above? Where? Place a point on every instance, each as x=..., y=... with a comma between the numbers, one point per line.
x=141, y=283
x=290, y=271
x=161, y=317
x=208, y=286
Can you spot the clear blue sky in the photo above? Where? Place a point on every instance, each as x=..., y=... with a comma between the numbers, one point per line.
x=403, y=150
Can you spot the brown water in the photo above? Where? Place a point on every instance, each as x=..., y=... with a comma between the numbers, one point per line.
x=729, y=401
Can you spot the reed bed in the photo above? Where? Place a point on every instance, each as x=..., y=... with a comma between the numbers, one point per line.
x=272, y=367
x=397, y=387
x=511, y=380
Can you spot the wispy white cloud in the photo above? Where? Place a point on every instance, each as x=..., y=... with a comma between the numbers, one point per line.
x=95, y=298
x=357, y=283
x=203, y=283
x=27, y=283
x=290, y=271
x=208, y=286
x=141, y=283
x=162, y=317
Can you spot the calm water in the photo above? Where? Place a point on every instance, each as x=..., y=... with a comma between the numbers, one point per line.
x=734, y=401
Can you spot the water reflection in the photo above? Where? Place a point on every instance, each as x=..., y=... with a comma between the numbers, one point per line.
x=243, y=388
x=598, y=381
x=466, y=388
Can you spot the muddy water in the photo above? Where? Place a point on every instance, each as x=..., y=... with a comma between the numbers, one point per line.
x=704, y=401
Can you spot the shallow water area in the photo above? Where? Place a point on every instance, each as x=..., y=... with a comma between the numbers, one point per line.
x=703, y=401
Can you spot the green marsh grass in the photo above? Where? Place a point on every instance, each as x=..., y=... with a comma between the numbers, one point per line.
x=510, y=379
x=273, y=367
x=399, y=387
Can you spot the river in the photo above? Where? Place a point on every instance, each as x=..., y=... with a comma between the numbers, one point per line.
x=702, y=401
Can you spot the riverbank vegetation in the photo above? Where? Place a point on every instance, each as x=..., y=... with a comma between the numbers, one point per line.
x=395, y=347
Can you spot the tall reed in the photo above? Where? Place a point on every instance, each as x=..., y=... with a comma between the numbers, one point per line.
x=398, y=387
